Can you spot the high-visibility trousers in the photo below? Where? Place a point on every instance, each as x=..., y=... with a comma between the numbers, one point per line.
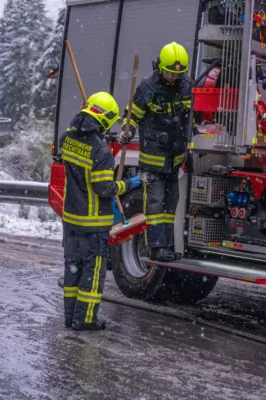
x=85, y=271
x=161, y=196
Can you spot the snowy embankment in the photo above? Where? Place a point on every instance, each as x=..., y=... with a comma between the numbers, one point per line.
x=11, y=223
x=28, y=157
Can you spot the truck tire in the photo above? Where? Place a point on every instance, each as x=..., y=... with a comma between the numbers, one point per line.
x=134, y=279
x=185, y=287
x=144, y=282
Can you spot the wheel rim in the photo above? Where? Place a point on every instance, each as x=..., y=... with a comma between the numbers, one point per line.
x=131, y=253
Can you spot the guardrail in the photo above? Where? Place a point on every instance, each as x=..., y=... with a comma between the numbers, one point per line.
x=24, y=192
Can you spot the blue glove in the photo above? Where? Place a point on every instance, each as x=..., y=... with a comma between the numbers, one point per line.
x=136, y=181
x=117, y=216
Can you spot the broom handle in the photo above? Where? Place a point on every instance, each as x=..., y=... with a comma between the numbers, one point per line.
x=82, y=90
x=75, y=67
x=130, y=104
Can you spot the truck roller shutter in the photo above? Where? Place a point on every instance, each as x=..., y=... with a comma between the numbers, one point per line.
x=91, y=32
x=147, y=25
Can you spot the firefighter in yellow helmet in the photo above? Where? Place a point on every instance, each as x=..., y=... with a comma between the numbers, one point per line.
x=88, y=212
x=161, y=113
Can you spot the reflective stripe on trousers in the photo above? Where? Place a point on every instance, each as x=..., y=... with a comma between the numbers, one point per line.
x=160, y=201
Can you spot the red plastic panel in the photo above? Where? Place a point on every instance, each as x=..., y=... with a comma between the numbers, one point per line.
x=56, y=188
x=215, y=100
x=210, y=82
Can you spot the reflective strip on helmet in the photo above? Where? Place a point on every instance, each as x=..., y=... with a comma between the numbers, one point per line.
x=150, y=159
x=121, y=187
x=103, y=175
x=179, y=159
x=137, y=111
x=76, y=158
x=93, y=198
x=71, y=291
x=156, y=219
x=172, y=69
x=82, y=220
x=131, y=122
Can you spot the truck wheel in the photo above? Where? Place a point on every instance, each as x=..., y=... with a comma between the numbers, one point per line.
x=134, y=278
x=144, y=282
x=184, y=287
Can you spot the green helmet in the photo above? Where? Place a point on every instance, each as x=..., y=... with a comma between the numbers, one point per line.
x=173, y=58
x=103, y=107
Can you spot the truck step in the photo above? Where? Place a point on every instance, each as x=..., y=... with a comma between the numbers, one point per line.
x=229, y=250
x=248, y=271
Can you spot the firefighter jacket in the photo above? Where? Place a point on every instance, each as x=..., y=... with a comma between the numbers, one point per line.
x=89, y=183
x=161, y=112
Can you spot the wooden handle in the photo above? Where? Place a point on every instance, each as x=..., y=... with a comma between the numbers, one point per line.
x=130, y=104
x=119, y=205
x=75, y=67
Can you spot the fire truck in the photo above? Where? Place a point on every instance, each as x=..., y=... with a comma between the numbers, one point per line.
x=220, y=224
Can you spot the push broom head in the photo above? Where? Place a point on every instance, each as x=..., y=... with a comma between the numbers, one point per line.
x=121, y=233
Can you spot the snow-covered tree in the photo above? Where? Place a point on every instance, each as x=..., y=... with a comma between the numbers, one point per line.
x=6, y=25
x=44, y=90
x=25, y=27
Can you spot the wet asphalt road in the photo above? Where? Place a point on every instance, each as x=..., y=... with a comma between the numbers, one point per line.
x=141, y=356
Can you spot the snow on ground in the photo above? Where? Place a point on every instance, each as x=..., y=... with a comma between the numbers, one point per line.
x=10, y=223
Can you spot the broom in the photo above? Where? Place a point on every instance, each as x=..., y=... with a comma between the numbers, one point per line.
x=124, y=231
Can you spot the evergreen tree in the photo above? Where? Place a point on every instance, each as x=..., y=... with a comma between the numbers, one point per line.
x=24, y=29
x=7, y=7
x=7, y=27
x=45, y=89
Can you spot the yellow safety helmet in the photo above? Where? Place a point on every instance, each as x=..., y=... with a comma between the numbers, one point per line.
x=173, y=58
x=103, y=107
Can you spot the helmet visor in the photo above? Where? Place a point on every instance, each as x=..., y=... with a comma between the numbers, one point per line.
x=172, y=76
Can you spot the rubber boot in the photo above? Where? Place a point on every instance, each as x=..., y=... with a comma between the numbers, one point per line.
x=163, y=254
x=178, y=256
x=68, y=323
x=94, y=326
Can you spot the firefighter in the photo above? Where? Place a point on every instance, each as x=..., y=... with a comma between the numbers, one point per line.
x=88, y=211
x=161, y=107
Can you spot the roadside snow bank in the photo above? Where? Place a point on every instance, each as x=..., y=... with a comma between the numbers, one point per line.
x=31, y=227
